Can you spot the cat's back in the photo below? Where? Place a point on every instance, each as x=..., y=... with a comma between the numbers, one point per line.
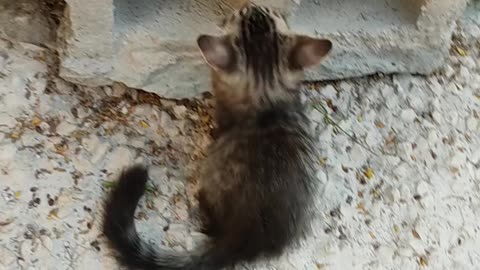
x=263, y=173
x=272, y=149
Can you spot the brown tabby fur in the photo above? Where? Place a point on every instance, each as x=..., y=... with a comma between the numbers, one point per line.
x=258, y=182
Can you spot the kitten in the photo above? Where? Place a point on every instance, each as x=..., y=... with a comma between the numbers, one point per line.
x=258, y=181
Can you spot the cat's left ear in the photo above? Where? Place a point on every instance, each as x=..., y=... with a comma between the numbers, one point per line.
x=308, y=52
x=217, y=52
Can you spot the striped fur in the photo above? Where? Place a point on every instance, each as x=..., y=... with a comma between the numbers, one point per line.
x=258, y=181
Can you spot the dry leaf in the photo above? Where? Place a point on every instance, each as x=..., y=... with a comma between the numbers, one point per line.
x=36, y=121
x=415, y=234
x=460, y=51
x=53, y=214
x=15, y=135
x=144, y=124
x=18, y=194
x=61, y=148
x=79, y=134
x=321, y=266
x=142, y=216
x=41, y=57
x=390, y=140
x=379, y=124
x=205, y=119
x=323, y=161
x=375, y=193
x=361, y=207
x=395, y=228
x=6, y=222
x=331, y=106
x=150, y=204
x=368, y=173
x=176, y=198
x=454, y=170
x=423, y=261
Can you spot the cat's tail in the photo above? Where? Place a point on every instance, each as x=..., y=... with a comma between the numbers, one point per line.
x=119, y=228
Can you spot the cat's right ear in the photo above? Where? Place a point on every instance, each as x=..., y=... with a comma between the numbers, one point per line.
x=308, y=52
x=217, y=52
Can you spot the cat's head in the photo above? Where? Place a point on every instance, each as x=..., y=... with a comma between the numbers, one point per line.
x=257, y=60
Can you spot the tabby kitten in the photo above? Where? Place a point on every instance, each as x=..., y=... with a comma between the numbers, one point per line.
x=258, y=182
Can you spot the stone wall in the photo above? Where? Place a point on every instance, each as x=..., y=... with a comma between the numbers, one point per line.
x=150, y=44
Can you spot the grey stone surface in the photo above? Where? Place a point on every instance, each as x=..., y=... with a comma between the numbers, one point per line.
x=86, y=42
x=25, y=21
x=286, y=7
x=387, y=36
x=150, y=44
x=155, y=46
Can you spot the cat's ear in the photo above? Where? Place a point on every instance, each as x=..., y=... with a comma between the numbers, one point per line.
x=307, y=51
x=217, y=52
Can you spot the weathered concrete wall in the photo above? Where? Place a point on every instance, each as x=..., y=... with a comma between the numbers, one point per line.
x=25, y=21
x=86, y=37
x=287, y=7
x=387, y=36
x=155, y=46
x=150, y=44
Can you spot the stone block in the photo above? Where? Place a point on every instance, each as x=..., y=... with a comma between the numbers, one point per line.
x=86, y=40
x=25, y=21
x=284, y=6
x=386, y=36
x=155, y=45
x=150, y=44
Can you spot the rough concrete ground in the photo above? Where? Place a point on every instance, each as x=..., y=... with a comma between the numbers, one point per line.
x=400, y=191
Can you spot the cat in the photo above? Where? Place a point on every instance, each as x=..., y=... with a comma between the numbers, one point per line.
x=258, y=181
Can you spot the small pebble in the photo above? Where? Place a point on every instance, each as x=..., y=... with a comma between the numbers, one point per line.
x=422, y=188
x=118, y=89
x=408, y=115
x=437, y=116
x=329, y=92
x=65, y=128
x=180, y=111
x=472, y=124
x=449, y=71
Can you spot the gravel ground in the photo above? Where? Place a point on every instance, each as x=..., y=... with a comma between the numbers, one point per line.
x=400, y=169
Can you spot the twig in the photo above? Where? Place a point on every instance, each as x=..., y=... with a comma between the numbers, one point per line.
x=329, y=121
